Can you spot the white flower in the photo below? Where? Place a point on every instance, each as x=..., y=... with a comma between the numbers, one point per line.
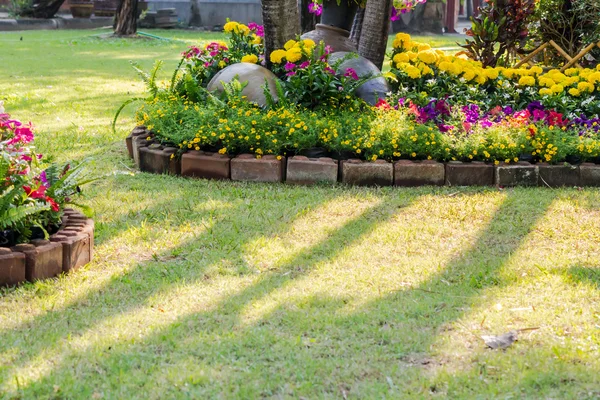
x=1, y=107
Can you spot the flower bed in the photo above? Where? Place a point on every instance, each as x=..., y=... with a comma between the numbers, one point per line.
x=39, y=237
x=442, y=108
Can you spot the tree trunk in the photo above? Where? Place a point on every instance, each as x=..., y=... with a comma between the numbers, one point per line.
x=282, y=23
x=126, y=18
x=357, y=26
x=42, y=9
x=375, y=29
x=307, y=20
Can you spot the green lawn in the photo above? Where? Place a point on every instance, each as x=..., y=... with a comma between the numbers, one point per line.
x=206, y=289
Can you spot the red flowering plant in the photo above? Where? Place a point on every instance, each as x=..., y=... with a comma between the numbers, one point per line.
x=32, y=199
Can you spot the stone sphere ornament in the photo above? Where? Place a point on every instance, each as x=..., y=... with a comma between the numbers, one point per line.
x=254, y=74
x=370, y=91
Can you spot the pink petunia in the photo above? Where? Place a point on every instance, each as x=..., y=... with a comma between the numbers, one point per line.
x=351, y=73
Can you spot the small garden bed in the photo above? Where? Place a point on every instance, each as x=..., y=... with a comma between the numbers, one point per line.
x=150, y=156
x=39, y=237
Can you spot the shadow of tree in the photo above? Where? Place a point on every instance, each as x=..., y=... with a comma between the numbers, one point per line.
x=586, y=274
x=222, y=243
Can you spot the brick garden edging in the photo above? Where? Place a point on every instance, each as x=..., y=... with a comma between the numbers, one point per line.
x=68, y=249
x=150, y=156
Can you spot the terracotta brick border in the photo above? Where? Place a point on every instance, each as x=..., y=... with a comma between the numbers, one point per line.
x=151, y=157
x=68, y=249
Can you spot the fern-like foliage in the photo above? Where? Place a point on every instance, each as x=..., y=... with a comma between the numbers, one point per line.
x=11, y=214
x=233, y=90
x=149, y=78
x=150, y=81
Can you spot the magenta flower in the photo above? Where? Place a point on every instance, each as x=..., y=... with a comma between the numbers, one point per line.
x=259, y=30
x=315, y=8
x=304, y=64
x=351, y=73
x=290, y=66
x=291, y=73
x=330, y=70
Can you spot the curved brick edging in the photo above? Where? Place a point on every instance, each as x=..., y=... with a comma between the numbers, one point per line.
x=151, y=156
x=68, y=249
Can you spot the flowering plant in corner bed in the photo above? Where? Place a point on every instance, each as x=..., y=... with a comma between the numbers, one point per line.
x=32, y=198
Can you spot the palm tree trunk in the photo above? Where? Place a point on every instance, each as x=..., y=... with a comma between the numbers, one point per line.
x=375, y=30
x=282, y=23
x=126, y=18
x=357, y=26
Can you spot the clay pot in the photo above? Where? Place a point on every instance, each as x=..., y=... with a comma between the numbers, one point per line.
x=254, y=74
x=338, y=39
x=81, y=8
x=339, y=15
x=370, y=91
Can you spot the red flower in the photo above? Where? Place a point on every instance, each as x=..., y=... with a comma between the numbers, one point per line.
x=53, y=204
x=556, y=118
x=39, y=193
x=382, y=104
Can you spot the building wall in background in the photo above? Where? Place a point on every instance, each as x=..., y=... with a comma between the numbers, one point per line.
x=211, y=13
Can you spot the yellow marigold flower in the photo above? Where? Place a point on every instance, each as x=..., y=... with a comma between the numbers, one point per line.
x=411, y=55
x=426, y=70
x=536, y=70
x=445, y=66
x=545, y=81
x=423, y=46
x=481, y=79
x=509, y=72
x=289, y=44
x=230, y=27
x=574, y=92
x=469, y=75
x=222, y=64
x=527, y=81
x=294, y=54
x=308, y=43
x=545, y=92
x=250, y=58
x=277, y=56
x=427, y=56
x=585, y=87
x=594, y=78
x=571, y=72
x=412, y=72
x=492, y=73
x=256, y=39
x=401, y=58
x=402, y=40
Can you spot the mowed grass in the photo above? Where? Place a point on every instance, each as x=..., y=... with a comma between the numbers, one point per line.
x=203, y=289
